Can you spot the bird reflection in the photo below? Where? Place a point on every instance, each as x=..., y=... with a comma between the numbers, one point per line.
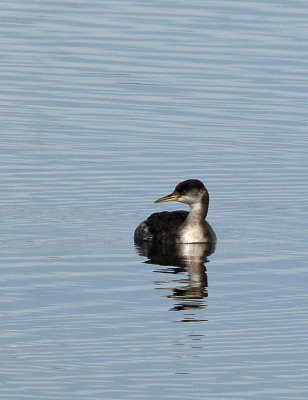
x=181, y=257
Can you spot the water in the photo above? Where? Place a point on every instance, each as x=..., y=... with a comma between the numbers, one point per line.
x=106, y=106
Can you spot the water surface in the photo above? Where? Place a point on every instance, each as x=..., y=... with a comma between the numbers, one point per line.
x=106, y=106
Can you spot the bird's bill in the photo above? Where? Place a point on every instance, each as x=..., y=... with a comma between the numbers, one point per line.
x=169, y=197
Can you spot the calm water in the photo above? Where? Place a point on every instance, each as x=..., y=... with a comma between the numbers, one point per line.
x=106, y=106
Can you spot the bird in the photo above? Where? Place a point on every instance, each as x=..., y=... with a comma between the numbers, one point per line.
x=179, y=226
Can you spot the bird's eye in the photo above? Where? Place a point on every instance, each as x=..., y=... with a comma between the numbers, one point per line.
x=183, y=192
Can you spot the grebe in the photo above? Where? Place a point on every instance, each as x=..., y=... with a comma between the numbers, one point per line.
x=180, y=226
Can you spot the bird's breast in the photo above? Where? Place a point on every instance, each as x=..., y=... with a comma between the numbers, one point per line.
x=192, y=234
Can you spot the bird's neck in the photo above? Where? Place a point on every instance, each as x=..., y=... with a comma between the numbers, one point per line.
x=198, y=211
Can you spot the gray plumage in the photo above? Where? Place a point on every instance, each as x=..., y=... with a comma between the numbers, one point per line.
x=180, y=226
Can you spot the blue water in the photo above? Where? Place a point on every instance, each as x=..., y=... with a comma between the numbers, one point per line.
x=106, y=106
